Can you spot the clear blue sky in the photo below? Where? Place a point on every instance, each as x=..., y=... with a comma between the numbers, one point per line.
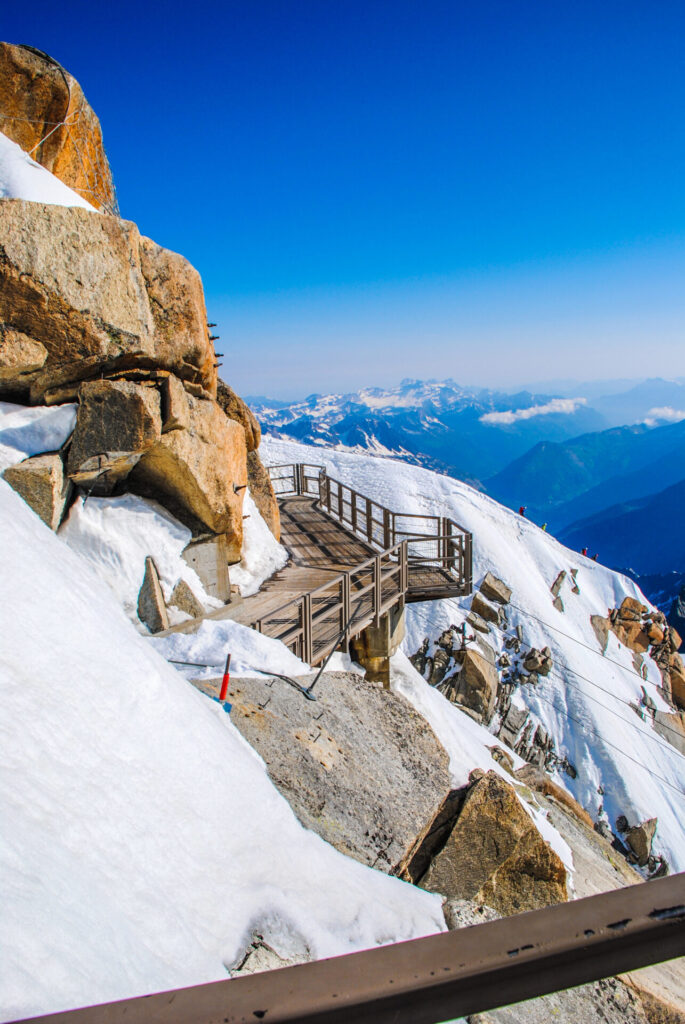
x=489, y=191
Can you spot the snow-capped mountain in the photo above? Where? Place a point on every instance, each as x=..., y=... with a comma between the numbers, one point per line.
x=467, y=432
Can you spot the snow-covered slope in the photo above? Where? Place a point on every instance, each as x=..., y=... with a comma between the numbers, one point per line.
x=141, y=839
x=623, y=765
x=23, y=178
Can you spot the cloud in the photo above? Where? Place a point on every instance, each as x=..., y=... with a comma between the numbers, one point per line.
x=663, y=414
x=557, y=405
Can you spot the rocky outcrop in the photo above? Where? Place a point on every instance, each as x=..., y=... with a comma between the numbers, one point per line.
x=495, y=855
x=639, y=839
x=99, y=298
x=45, y=112
x=42, y=483
x=261, y=489
x=540, y=782
x=117, y=422
x=185, y=600
x=359, y=767
x=199, y=473
x=482, y=607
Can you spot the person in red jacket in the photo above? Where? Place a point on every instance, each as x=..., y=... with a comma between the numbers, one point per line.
x=522, y=510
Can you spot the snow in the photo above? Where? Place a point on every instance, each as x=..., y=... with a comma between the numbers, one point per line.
x=251, y=653
x=33, y=430
x=142, y=840
x=262, y=555
x=583, y=703
x=115, y=535
x=23, y=178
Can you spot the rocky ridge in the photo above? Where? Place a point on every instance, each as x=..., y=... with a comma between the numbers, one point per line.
x=93, y=312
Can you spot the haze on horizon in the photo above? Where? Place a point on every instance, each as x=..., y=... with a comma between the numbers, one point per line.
x=491, y=192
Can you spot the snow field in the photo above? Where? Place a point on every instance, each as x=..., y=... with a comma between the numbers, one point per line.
x=142, y=841
x=609, y=745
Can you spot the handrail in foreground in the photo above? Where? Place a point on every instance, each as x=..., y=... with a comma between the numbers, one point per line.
x=425, y=981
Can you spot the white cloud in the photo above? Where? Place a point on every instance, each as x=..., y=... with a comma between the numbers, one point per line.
x=557, y=405
x=663, y=414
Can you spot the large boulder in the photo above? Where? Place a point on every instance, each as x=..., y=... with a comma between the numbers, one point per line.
x=117, y=422
x=44, y=111
x=238, y=410
x=495, y=589
x=43, y=485
x=99, y=298
x=262, y=492
x=359, y=767
x=199, y=473
x=495, y=855
x=475, y=686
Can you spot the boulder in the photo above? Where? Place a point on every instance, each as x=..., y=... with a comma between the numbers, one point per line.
x=19, y=354
x=151, y=607
x=261, y=489
x=495, y=855
x=477, y=622
x=556, y=586
x=42, y=484
x=199, y=473
x=601, y=626
x=476, y=684
x=238, y=410
x=671, y=727
x=117, y=423
x=99, y=297
x=184, y=599
x=37, y=97
x=495, y=590
x=480, y=606
x=654, y=632
x=512, y=723
x=539, y=662
x=360, y=767
x=631, y=609
x=640, y=838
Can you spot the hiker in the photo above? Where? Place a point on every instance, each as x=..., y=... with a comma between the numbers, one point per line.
x=522, y=510
x=544, y=527
x=583, y=551
x=595, y=556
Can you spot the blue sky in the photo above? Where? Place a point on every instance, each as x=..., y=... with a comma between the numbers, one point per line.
x=486, y=191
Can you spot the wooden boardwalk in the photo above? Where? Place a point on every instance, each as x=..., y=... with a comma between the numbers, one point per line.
x=351, y=561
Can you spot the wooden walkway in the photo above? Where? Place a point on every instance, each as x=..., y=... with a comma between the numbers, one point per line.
x=351, y=561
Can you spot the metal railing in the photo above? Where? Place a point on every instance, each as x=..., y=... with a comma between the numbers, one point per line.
x=312, y=624
x=439, y=551
x=438, y=978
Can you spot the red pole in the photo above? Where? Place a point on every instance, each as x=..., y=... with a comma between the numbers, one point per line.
x=226, y=679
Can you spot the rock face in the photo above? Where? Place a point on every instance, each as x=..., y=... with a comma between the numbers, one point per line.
x=195, y=473
x=496, y=856
x=36, y=94
x=359, y=767
x=117, y=422
x=99, y=298
x=42, y=484
x=262, y=492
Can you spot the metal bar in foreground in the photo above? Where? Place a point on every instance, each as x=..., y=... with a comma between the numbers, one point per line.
x=435, y=979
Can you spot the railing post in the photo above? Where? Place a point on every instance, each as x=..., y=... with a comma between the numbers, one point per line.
x=307, y=638
x=377, y=591
x=346, y=588
x=387, y=528
x=404, y=566
x=353, y=503
x=369, y=521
